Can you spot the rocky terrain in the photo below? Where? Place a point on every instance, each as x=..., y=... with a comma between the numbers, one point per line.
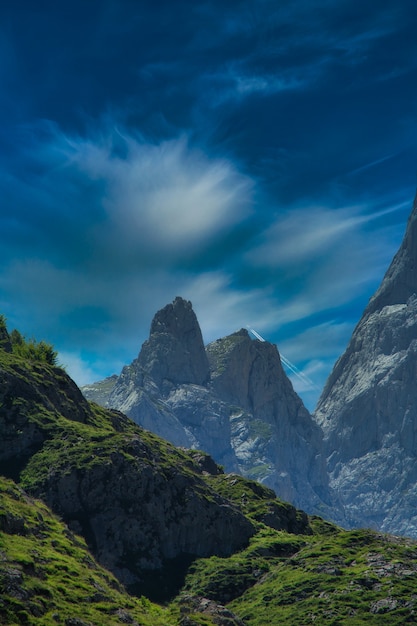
x=135, y=512
x=231, y=399
x=368, y=409
x=354, y=462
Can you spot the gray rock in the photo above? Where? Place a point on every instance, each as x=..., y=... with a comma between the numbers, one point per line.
x=368, y=409
x=174, y=354
x=273, y=435
x=139, y=509
x=232, y=400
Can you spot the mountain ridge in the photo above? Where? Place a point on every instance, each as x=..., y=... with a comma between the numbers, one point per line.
x=368, y=408
x=231, y=399
x=131, y=501
x=358, y=467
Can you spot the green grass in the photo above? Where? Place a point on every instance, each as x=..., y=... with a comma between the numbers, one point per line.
x=340, y=578
x=47, y=575
x=295, y=571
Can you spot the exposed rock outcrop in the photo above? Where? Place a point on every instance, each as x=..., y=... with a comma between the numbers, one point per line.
x=139, y=510
x=47, y=573
x=273, y=435
x=368, y=409
x=166, y=391
x=28, y=398
x=174, y=354
x=139, y=502
x=232, y=400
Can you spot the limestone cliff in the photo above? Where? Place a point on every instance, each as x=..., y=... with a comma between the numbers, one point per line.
x=273, y=435
x=368, y=409
x=232, y=400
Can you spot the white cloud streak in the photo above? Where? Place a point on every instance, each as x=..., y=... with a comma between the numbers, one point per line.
x=168, y=196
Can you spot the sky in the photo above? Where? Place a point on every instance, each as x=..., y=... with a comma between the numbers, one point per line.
x=255, y=157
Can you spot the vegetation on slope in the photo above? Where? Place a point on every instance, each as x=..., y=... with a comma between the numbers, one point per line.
x=28, y=348
x=356, y=577
x=48, y=576
x=286, y=568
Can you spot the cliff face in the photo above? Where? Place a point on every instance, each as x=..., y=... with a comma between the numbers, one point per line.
x=174, y=353
x=273, y=435
x=166, y=390
x=139, y=502
x=232, y=400
x=368, y=409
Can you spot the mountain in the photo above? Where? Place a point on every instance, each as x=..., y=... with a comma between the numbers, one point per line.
x=92, y=504
x=231, y=399
x=368, y=409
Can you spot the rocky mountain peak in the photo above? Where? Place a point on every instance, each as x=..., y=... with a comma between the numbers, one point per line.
x=400, y=281
x=174, y=354
x=232, y=400
x=248, y=372
x=368, y=409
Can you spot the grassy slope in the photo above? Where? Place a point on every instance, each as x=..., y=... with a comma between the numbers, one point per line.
x=332, y=577
x=317, y=573
x=48, y=577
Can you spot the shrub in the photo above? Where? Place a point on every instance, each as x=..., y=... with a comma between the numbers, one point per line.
x=33, y=350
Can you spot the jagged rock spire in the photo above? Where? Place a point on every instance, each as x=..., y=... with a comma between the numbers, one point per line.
x=175, y=350
x=400, y=281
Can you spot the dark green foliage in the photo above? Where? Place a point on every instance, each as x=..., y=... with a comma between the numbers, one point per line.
x=33, y=350
x=260, y=503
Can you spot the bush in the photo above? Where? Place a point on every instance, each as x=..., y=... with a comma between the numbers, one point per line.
x=33, y=350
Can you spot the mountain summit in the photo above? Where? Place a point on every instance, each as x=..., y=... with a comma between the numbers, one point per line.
x=368, y=409
x=174, y=354
x=231, y=399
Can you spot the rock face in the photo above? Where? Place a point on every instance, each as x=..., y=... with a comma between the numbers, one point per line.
x=232, y=400
x=368, y=409
x=21, y=395
x=174, y=353
x=137, y=517
x=140, y=503
x=273, y=436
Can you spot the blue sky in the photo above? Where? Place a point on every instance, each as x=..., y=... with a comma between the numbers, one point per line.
x=258, y=158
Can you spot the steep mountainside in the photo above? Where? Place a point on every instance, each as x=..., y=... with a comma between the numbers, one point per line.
x=232, y=400
x=368, y=409
x=272, y=434
x=139, y=502
x=169, y=524
x=48, y=576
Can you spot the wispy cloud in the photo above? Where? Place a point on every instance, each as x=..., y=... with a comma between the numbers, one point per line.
x=107, y=224
x=320, y=258
x=164, y=198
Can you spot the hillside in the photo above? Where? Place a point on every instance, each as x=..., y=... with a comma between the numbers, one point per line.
x=48, y=576
x=171, y=527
